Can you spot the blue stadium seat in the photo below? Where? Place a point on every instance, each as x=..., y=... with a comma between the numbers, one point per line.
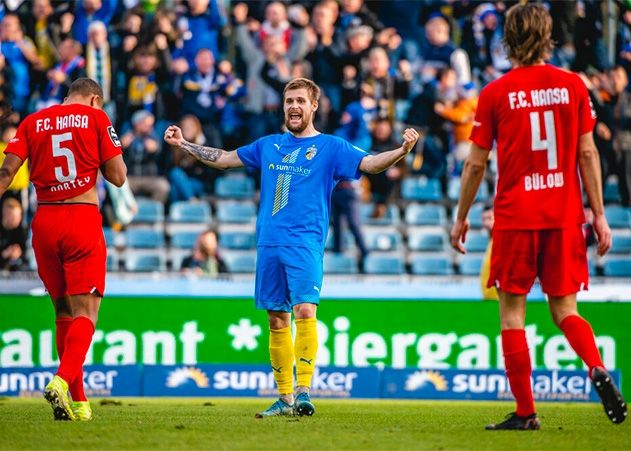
x=236, y=212
x=237, y=240
x=591, y=267
x=240, y=261
x=470, y=264
x=339, y=264
x=145, y=261
x=618, y=217
x=421, y=189
x=425, y=215
x=431, y=240
x=234, y=187
x=384, y=264
x=621, y=244
x=431, y=265
x=190, y=212
x=612, y=192
x=453, y=190
x=617, y=267
x=383, y=239
x=144, y=239
x=390, y=218
x=475, y=215
x=113, y=261
x=477, y=241
x=149, y=212
x=184, y=239
x=110, y=237
x=348, y=240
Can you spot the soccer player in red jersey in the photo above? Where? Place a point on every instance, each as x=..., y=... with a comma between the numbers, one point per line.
x=542, y=121
x=66, y=145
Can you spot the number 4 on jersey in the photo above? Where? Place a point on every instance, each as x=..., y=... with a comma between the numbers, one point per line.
x=550, y=143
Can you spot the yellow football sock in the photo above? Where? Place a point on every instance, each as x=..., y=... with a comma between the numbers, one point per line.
x=306, y=348
x=281, y=352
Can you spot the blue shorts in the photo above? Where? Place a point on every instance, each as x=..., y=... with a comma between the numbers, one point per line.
x=286, y=276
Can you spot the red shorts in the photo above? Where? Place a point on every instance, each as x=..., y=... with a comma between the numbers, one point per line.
x=70, y=249
x=557, y=256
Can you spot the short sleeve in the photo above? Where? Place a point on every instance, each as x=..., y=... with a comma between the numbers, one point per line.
x=483, y=133
x=347, y=159
x=250, y=155
x=19, y=144
x=586, y=112
x=109, y=144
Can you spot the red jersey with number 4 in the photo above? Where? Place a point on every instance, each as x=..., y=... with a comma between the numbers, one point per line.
x=65, y=145
x=536, y=115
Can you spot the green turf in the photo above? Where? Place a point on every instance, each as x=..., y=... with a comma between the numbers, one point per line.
x=173, y=423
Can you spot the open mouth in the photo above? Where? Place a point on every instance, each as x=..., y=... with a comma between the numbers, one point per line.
x=295, y=116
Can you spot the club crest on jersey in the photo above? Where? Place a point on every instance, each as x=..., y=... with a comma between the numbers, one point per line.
x=311, y=152
x=113, y=136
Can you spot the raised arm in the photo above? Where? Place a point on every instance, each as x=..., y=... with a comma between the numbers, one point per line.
x=589, y=165
x=374, y=164
x=472, y=175
x=210, y=156
x=9, y=168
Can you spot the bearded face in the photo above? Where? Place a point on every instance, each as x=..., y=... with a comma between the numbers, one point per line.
x=299, y=110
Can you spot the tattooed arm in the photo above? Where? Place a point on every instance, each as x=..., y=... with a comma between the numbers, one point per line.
x=210, y=156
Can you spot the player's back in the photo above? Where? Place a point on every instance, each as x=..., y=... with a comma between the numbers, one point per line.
x=66, y=145
x=536, y=115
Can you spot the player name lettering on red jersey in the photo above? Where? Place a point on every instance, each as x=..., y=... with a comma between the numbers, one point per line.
x=538, y=97
x=537, y=182
x=62, y=122
x=77, y=183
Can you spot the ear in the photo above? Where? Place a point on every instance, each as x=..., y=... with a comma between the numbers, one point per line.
x=314, y=106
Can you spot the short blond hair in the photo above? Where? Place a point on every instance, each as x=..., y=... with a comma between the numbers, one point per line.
x=299, y=83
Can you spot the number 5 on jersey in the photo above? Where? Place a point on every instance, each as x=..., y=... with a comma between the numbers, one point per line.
x=59, y=151
x=550, y=143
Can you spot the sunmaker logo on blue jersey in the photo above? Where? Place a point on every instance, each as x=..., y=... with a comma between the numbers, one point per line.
x=298, y=170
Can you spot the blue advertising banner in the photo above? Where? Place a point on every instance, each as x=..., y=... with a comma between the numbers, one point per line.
x=486, y=385
x=98, y=380
x=255, y=380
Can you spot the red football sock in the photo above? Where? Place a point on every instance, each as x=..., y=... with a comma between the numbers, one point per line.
x=78, y=339
x=518, y=369
x=76, y=386
x=581, y=337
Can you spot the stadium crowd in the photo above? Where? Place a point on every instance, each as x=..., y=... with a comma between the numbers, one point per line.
x=218, y=71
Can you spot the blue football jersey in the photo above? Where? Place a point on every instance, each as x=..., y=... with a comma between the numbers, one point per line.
x=297, y=178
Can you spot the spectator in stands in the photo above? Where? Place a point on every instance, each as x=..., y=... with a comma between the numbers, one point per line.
x=622, y=131
x=325, y=52
x=485, y=47
x=275, y=23
x=344, y=203
x=144, y=158
x=488, y=294
x=623, y=39
x=99, y=63
x=563, y=15
x=86, y=12
x=199, y=28
x=388, y=84
x=359, y=41
x=148, y=74
x=12, y=235
x=20, y=182
x=384, y=183
x=438, y=51
x=202, y=95
x=355, y=13
x=189, y=178
x=6, y=91
x=357, y=118
x=19, y=54
x=205, y=259
x=70, y=67
x=460, y=114
x=423, y=114
x=588, y=37
x=263, y=102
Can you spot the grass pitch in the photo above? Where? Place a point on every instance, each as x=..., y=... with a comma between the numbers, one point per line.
x=175, y=423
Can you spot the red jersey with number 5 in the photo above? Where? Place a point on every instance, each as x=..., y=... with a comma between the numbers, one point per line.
x=65, y=145
x=536, y=115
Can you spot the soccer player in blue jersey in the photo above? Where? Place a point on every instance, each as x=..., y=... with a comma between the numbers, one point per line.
x=299, y=169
